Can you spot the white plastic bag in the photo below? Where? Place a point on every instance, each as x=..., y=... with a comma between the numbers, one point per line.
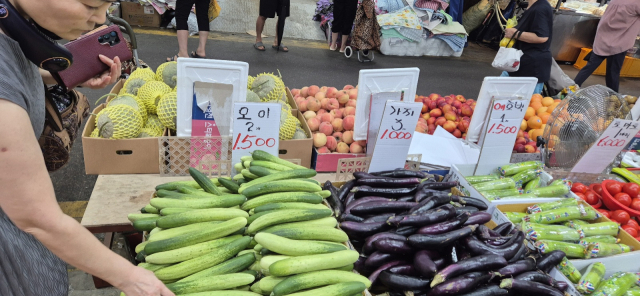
x=507, y=59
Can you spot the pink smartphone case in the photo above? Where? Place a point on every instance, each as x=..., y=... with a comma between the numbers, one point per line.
x=85, y=50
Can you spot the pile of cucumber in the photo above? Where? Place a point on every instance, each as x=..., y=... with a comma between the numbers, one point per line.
x=593, y=282
x=264, y=233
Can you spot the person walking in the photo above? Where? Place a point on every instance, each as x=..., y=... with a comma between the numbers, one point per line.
x=36, y=237
x=533, y=35
x=344, y=12
x=269, y=9
x=616, y=33
x=183, y=10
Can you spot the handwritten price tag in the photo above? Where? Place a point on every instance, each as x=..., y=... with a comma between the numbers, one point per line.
x=256, y=126
x=615, y=138
x=395, y=135
x=501, y=130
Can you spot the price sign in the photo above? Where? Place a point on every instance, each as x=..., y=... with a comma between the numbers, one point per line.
x=256, y=126
x=615, y=138
x=500, y=132
x=394, y=136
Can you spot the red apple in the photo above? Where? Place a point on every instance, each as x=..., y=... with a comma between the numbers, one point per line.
x=519, y=148
x=442, y=104
x=466, y=118
x=425, y=108
x=520, y=134
x=456, y=104
x=532, y=143
x=457, y=133
x=426, y=116
x=521, y=141
x=435, y=113
x=440, y=121
x=432, y=129
x=449, y=115
x=422, y=127
x=434, y=96
x=466, y=110
x=449, y=100
x=529, y=149
x=463, y=126
x=431, y=120
x=460, y=98
x=432, y=105
x=446, y=108
x=449, y=126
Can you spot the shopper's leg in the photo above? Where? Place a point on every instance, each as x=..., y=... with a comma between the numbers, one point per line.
x=593, y=64
x=183, y=9
x=336, y=24
x=614, y=66
x=259, y=27
x=334, y=40
x=350, y=9
x=202, y=13
x=183, y=39
x=343, y=45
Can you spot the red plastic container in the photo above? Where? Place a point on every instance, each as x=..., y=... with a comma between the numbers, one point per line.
x=612, y=204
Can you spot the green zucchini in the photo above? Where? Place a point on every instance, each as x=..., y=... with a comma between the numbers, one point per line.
x=172, y=211
x=197, y=216
x=282, y=175
x=232, y=265
x=309, y=263
x=262, y=155
x=286, y=216
x=289, y=247
x=145, y=224
x=268, y=283
x=270, y=165
x=191, y=266
x=135, y=217
x=169, y=233
x=315, y=279
x=324, y=222
x=294, y=185
x=190, y=252
x=231, y=185
x=223, y=201
x=280, y=197
x=204, y=182
x=215, y=231
x=288, y=206
x=217, y=282
x=311, y=233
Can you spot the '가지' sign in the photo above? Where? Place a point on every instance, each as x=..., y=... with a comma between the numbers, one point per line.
x=615, y=138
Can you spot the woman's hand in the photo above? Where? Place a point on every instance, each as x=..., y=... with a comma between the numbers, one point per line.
x=509, y=32
x=141, y=282
x=108, y=77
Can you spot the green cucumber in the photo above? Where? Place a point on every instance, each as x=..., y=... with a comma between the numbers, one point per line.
x=315, y=279
x=283, y=175
x=169, y=233
x=348, y=268
x=280, y=197
x=258, y=215
x=246, y=164
x=154, y=231
x=266, y=261
x=140, y=256
x=190, y=252
x=231, y=185
x=270, y=165
x=268, y=283
x=140, y=246
x=287, y=206
x=166, y=193
x=233, y=265
x=191, y=266
x=261, y=171
x=172, y=211
x=145, y=224
x=217, y=282
x=289, y=247
x=197, y=216
x=223, y=201
x=341, y=289
x=262, y=155
x=246, y=157
x=152, y=267
x=251, y=272
x=309, y=263
x=238, y=167
x=312, y=233
x=135, y=217
x=324, y=222
x=248, y=175
x=255, y=288
x=204, y=182
x=215, y=231
x=294, y=185
x=324, y=193
x=286, y=216
x=174, y=185
x=150, y=209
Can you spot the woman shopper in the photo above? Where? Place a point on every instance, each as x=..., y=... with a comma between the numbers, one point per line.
x=35, y=235
x=533, y=35
x=616, y=34
x=183, y=10
x=344, y=12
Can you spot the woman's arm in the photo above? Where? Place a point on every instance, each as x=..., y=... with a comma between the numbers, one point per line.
x=527, y=37
x=28, y=199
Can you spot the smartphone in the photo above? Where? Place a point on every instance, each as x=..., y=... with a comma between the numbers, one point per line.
x=107, y=41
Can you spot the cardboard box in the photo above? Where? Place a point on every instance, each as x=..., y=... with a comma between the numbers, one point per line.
x=298, y=149
x=140, y=15
x=292, y=102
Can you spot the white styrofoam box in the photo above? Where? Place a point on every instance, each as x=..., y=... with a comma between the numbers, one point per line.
x=558, y=276
x=627, y=262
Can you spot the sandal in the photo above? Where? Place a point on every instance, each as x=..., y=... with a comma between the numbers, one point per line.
x=173, y=58
x=259, y=46
x=196, y=56
x=281, y=48
x=333, y=48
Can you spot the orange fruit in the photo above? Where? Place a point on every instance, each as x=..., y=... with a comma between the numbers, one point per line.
x=547, y=101
x=541, y=110
x=552, y=107
x=530, y=112
x=557, y=100
x=544, y=117
x=533, y=134
x=524, y=125
x=552, y=141
x=535, y=105
x=536, y=98
x=534, y=122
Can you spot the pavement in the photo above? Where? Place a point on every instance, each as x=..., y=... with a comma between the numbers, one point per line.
x=308, y=62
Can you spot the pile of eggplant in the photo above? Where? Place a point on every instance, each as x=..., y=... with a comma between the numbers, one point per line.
x=413, y=235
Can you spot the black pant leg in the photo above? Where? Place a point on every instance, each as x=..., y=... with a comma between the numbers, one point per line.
x=338, y=16
x=202, y=14
x=593, y=64
x=351, y=7
x=614, y=66
x=183, y=9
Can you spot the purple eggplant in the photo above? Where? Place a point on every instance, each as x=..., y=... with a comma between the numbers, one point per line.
x=403, y=282
x=440, y=214
x=430, y=203
x=439, y=185
x=437, y=241
x=462, y=284
x=380, y=207
x=522, y=252
x=379, y=218
x=466, y=209
x=478, y=218
x=406, y=230
x=424, y=193
x=378, y=259
x=361, y=191
x=362, y=230
x=539, y=277
x=477, y=247
x=441, y=263
x=529, y=288
x=424, y=264
x=504, y=228
x=393, y=246
x=349, y=199
x=549, y=260
x=405, y=198
x=462, y=253
x=401, y=173
x=562, y=286
x=385, y=182
x=484, y=233
x=360, y=175
x=405, y=269
x=364, y=200
x=446, y=226
x=333, y=199
x=489, y=290
x=369, y=247
x=374, y=275
x=470, y=201
x=478, y=263
x=502, y=242
x=345, y=189
x=513, y=269
x=359, y=265
x=351, y=217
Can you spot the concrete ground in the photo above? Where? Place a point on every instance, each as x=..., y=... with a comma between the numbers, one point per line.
x=308, y=62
